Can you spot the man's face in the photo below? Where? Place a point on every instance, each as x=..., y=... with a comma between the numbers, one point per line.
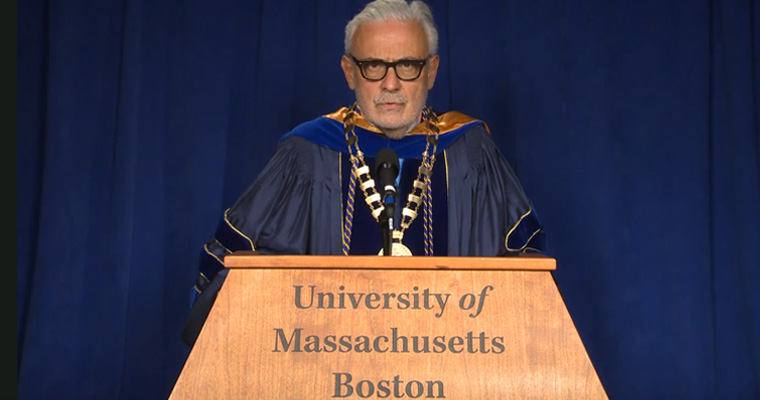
x=390, y=104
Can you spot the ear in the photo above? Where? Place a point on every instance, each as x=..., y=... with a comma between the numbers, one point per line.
x=432, y=70
x=348, y=71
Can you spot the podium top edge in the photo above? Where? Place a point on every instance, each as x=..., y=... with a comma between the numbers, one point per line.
x=526, y=262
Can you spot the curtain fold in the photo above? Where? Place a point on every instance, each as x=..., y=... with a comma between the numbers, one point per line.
x=735, y=196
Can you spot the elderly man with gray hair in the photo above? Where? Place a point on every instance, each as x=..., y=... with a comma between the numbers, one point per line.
x=319, y=193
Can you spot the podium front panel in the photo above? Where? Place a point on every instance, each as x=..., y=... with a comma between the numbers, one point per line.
x=350, y=333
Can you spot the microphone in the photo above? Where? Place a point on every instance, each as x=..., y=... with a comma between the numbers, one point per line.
x=387, y=169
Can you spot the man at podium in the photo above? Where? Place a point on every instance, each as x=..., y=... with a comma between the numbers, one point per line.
x=441, y=188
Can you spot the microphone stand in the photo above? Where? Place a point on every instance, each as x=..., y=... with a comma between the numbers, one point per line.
x=387, y=171
x=386, y=227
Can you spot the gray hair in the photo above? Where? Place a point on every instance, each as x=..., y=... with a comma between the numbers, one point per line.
x=399, y=10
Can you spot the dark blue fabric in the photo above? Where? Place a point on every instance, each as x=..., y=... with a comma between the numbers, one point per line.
x=633, y=127
x=296, y=205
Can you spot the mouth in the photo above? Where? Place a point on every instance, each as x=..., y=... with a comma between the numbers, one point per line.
x=390, y=106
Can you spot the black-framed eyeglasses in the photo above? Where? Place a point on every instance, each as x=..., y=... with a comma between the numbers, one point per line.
x=375, y=70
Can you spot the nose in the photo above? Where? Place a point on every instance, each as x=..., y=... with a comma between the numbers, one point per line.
x=391, y=82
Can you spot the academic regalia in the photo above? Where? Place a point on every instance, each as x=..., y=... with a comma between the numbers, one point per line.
x=297, y=204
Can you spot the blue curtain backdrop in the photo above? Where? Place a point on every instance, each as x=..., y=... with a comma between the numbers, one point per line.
x=633, y=125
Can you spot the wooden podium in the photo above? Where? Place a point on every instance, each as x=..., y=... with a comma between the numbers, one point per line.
x=327, y=327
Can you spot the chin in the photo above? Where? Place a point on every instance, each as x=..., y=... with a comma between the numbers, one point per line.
x=395, y=135
x=396, y=121
x=397, y=129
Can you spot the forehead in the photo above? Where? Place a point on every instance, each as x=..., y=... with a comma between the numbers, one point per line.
x=390, y=40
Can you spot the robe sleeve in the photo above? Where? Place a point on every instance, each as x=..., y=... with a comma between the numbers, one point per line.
x=270, y=216
x=489, y=212
x=293, y=207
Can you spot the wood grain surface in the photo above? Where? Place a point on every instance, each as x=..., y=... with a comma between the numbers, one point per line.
x=489, y=334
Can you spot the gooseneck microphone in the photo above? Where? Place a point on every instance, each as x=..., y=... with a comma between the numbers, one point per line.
x=386, y=170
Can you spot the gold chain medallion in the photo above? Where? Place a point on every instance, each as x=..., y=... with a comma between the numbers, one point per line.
x=420, y=187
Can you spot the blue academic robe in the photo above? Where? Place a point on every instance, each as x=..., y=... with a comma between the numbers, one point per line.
x=297, y=203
